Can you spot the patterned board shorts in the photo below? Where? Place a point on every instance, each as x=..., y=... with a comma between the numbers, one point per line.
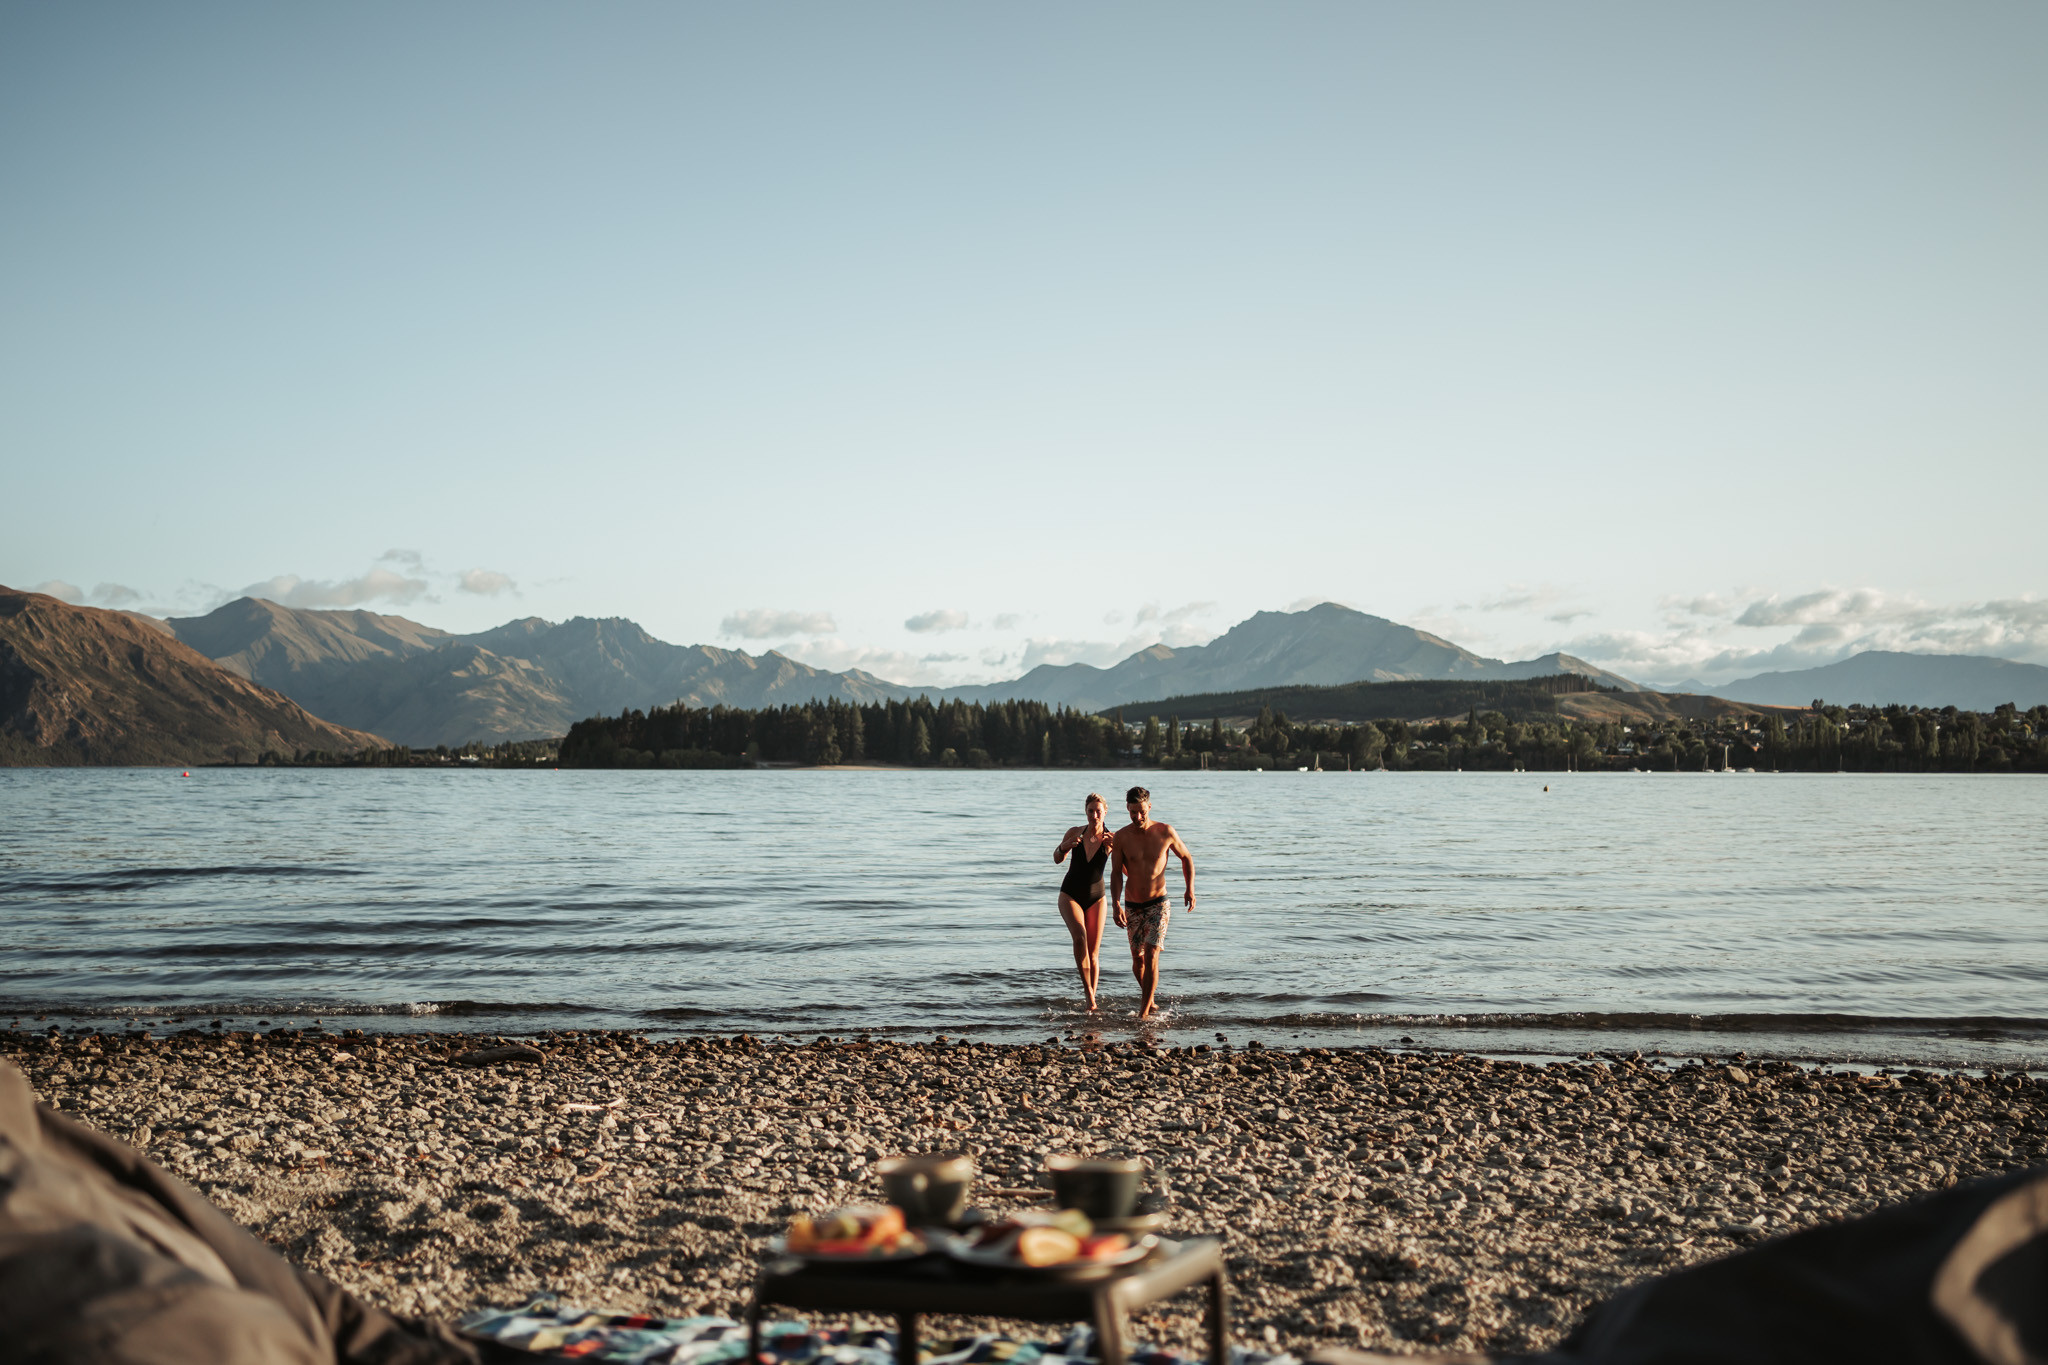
x=1145, y=922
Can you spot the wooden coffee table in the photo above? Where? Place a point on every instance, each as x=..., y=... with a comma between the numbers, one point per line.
x=935, y=1286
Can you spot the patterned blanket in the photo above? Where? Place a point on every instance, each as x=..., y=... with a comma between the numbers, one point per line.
x=554, y=1330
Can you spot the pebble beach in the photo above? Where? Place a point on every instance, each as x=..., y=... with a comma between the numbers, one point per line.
x=1368, y=1198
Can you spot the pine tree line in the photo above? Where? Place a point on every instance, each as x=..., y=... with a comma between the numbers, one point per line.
x=923, y=733
x=917, y=733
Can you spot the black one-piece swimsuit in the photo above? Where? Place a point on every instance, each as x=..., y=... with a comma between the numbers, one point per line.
x=1084, y=876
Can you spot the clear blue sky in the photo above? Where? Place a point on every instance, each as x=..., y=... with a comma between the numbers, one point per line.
x=1693, y=339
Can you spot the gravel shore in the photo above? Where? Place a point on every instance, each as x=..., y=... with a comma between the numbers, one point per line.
x=1368, y=1198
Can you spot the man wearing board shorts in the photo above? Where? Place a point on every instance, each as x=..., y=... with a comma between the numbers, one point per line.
x=1138, y=853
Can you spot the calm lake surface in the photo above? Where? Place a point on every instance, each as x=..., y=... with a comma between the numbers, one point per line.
x=1820, y=917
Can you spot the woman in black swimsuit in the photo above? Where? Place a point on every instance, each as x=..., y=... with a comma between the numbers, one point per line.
x=1081, y=891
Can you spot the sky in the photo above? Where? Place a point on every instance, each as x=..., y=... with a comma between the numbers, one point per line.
x=948, y=340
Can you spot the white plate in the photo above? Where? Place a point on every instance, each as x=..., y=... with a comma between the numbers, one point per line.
x=1006, y=1259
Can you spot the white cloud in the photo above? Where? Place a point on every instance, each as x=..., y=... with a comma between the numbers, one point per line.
x=1814, y=608
x=943, y=659
x=1041, y=649
x=1548, y=599
x=1646, y=656
x=1709, y=604
x=1102, y=653
x=1717, y=640
x=1489, y=638
x=1113, y=617
x=1008, y=620
x=396, y=577
x=104, y=595
x=399, y=585
x=891, y=665
x=378, y=585
x=764, y=623
x=1173, y=616
x=941, y=620
x=1176, y=626
x=1519, y=597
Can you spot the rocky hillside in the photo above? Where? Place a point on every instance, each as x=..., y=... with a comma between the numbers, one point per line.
x=83, y=686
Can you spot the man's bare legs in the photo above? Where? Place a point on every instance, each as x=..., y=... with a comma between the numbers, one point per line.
x=1085, y=925
x=1145, y=966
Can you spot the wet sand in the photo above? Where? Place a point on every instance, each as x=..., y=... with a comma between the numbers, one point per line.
x=1368, y=1198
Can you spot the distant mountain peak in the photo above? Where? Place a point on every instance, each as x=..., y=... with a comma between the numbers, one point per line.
x=1320, y=646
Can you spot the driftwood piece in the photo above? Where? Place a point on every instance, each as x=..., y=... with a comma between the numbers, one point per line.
x=491, y=1056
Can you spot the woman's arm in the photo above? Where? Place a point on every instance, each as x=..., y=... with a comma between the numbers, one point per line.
x=1059, y=855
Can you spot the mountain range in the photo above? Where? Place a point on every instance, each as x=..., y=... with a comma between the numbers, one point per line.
x=526, y=679
x=81, y=685
x=1878, y=677
x=84, y=686
x=530, y=678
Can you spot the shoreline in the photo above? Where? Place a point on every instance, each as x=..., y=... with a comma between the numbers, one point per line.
x=1368, y=1198
x=770, y=766
x=1571, y=1037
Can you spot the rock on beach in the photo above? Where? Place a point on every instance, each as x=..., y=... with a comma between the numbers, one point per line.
x=1367, y=1198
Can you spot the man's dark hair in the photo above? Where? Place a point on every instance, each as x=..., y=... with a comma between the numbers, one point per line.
x=1136, y=794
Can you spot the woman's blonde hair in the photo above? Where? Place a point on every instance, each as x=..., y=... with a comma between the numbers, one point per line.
x=1094, y=796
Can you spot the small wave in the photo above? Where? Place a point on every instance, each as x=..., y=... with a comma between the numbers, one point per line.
x=1743, y=1022
x=141, y=878
x=297, y=1009
x=490, y=1007
x=785, y=1014
x=357, y=942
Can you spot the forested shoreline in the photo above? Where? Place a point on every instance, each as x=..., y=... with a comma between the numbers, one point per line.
x=1022, y=734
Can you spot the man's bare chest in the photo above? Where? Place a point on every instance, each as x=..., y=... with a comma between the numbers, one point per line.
x=1143, y=850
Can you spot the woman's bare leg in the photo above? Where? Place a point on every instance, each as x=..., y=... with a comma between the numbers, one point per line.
x=1087, y=960
x=1093, y=970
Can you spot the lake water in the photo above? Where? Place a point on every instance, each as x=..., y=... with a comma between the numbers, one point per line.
x=1894, y=919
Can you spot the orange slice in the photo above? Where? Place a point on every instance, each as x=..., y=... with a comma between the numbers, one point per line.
x=1046, y=1246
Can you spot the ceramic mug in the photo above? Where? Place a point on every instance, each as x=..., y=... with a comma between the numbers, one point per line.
x=1101, y=1187
x=930, y=1189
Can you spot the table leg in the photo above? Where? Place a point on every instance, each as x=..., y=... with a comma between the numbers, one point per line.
x=1219, y=1320
x=754, y=1331
x=906, y=1339
x=1109, y=1330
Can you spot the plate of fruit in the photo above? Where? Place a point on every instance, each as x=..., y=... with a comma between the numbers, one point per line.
x=862, y=1235
x=1062, y=1244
